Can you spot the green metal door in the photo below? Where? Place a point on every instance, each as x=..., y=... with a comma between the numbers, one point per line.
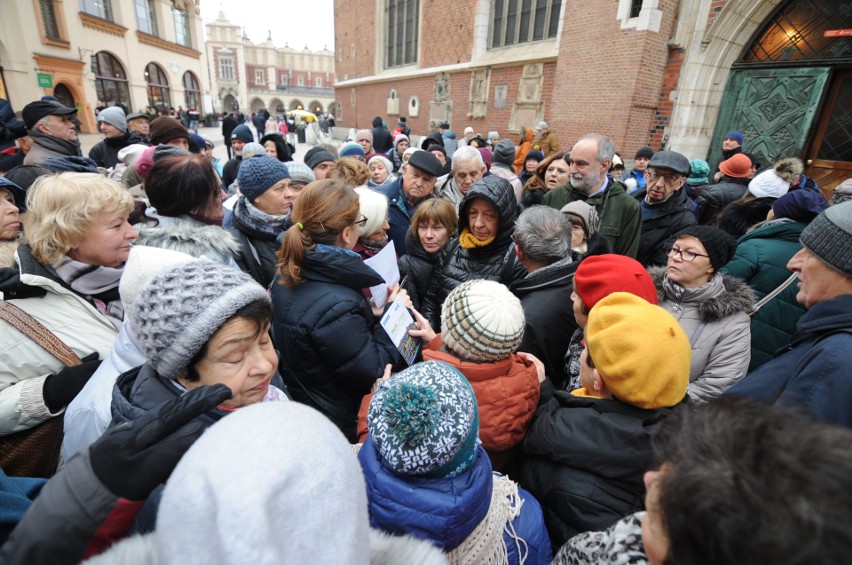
x=774, y=108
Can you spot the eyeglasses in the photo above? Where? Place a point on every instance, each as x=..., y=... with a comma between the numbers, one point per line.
x=363, y=221
x=668, y=179
x=684, y=255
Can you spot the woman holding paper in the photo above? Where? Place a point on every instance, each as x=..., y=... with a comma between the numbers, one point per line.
x=330, y=352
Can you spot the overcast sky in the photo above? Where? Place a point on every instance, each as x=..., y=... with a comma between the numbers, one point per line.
x=294, y=22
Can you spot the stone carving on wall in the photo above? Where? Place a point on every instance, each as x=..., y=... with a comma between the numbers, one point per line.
x=528, y=109
x=393, y=103
x=501, y=93
x=440, y=107
x=480, y=80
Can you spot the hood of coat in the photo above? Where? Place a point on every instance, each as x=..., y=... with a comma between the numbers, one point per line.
x=500, y=194
x=210, y=241
x=721, y=297
x=434, y=136
x=377, y=122
x=414, y=248
x=443, y=511
x=339, y=266
x=528, y=136
x=782, y=229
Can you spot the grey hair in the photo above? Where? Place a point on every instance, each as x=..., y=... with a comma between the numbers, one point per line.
x=606, y=148
x=543, y=234
x=467, y=153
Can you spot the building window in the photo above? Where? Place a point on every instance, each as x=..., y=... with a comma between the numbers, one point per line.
x=319, y=82
x=226, y=67
x=522, y=21
x=181, y=28
x=48, y=18
x=146, y=18
x=191, y=90
x=158, y=87
x=110, y=80
x=300, y=81
x=99, y=8
x=635, y=8
x=258, y=76
x=284, y=80
x=402, y=17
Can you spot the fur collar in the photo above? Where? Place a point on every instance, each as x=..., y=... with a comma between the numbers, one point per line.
x=735, y=296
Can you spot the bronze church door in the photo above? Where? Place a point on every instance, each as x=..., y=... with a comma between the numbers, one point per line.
x=828, y=158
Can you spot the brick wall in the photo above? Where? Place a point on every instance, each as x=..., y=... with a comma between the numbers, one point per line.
x=447, y=32
x=663, y=113
x=716, y=6
x=355, y=26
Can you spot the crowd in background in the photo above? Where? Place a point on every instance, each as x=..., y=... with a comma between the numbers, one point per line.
x=613, y=366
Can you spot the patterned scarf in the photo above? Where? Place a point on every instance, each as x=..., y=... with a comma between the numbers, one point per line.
x=373, y=247
x=255, y=218
x=99, y=285
x=469, y=241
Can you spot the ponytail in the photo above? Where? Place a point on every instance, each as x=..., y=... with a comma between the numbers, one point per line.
x=323, y=210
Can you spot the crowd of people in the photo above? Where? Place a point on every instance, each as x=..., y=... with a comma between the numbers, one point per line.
x=612, y=366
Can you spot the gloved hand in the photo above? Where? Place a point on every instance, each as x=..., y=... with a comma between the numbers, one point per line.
x=60, y=389
x=133, y=458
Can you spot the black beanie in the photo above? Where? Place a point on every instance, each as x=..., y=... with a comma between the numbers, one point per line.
x=720, y=245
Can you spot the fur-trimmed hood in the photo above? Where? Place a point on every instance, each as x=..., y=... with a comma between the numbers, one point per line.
x=721, y=297
x=212, y=242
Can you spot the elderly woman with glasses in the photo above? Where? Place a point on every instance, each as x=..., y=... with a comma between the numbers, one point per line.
x=331, y=350
x=712, y=308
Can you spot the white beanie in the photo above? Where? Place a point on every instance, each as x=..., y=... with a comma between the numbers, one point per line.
x=128, y=155
x=274, y=482
x=768, y=184
x=374, y=207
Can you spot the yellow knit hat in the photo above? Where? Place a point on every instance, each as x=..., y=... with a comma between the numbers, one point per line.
x=640, y=351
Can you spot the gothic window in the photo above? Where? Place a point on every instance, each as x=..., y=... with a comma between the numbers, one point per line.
x=522, y=21
x=402, y=19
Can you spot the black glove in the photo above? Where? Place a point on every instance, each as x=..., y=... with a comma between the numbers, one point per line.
x=60, y=389
x=133, y=458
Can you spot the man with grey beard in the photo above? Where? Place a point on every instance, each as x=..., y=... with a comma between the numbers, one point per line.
x=620, y=214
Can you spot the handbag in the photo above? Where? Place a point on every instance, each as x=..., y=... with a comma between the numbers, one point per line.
x=34, y=452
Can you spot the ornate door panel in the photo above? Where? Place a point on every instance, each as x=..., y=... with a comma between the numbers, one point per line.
x=829, y=157
x=774, y=108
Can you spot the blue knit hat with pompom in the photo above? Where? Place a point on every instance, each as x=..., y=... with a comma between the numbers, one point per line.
x=424, y=421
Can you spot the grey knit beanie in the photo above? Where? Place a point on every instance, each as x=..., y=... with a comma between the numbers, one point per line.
x=178, y=312
x=482, y=321
x=260, y=173
x=300, y=173
x=504, y=152
x=425, y=421
x=114, y=116
x=829, y=237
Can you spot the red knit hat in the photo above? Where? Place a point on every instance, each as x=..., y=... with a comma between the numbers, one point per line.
x=738, y=166
x=598, y=276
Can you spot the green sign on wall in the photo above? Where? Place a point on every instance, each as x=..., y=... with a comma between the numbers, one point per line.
x=45, y=80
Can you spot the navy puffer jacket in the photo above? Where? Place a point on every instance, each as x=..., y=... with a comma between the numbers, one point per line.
x=330, y=353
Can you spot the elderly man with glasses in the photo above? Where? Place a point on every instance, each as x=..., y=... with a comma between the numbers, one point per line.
x=666, y=210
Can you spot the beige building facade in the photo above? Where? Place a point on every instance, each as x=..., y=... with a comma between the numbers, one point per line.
x=248, y=77
x=134, y=53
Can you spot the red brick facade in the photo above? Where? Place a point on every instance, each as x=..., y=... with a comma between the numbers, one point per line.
x=620, y=82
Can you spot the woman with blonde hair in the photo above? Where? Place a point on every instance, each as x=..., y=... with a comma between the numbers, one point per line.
x=66, y=276
x=323, y=325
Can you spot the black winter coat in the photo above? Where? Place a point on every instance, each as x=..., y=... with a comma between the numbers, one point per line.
x=330, y=354
x=230, y=171
x=382, y=140
x=714, y=197
x=545, y=296
x=586, y=458
x=496, y=261
x=105, y=152
x=660, y=225
x=418, y=266
x=282, y=148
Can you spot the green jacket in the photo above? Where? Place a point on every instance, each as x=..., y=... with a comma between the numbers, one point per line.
x=621, y=218
x=761, y=261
